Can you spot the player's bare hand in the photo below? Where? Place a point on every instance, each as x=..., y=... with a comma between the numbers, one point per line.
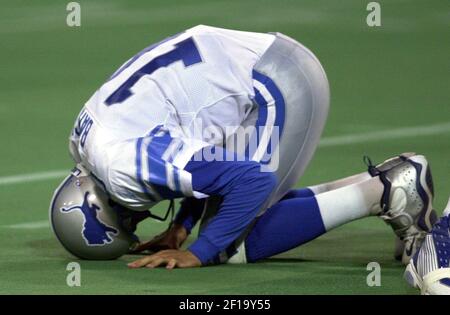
x=171, y=238
x=170, y=258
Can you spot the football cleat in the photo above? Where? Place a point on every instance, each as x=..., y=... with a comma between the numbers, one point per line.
x=407, y=198
x=429, y=268
x=383, y=167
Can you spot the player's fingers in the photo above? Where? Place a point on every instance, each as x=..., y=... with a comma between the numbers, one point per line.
x=141, y=262
x=156, y=262
x=172, y=263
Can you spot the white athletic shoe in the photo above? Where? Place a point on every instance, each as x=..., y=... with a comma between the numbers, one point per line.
x=407, y=200
x=429, y=269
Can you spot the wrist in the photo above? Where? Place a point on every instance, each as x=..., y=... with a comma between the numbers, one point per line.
x=195, y=259
x=204, y=250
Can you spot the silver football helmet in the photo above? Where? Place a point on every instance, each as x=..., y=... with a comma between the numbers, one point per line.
x=85, y=220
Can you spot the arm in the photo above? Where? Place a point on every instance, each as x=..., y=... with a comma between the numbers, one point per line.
x=244, y=190
x=190, y=212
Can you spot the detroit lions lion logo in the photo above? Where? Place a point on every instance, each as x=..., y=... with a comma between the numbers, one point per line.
x=95, y=232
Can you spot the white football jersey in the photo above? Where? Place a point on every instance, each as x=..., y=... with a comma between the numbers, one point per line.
x=196, y=79
x=201, y=76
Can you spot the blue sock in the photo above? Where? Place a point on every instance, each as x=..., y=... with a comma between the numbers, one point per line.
x=286, y=225
x=298, y=193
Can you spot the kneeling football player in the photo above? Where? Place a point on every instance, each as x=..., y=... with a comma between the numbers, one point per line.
x=166, y=125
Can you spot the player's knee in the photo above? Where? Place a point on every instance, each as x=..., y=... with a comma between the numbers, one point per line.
x=270, y=181
x=264, y=181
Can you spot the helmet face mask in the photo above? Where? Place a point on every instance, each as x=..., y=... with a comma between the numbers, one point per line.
x=84, y=220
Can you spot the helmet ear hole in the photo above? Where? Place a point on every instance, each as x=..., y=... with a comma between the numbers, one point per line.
x=84, y=220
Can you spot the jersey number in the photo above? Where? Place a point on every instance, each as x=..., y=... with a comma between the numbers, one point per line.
x=185, y=51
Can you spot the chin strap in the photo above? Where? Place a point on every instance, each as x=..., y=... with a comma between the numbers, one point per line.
x=129, y=219
x=132, y=219
x=170, y=209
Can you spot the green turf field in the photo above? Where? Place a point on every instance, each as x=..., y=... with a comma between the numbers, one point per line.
x=382, y=80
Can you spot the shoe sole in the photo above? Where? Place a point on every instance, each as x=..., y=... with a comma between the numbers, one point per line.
x=412, y=277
